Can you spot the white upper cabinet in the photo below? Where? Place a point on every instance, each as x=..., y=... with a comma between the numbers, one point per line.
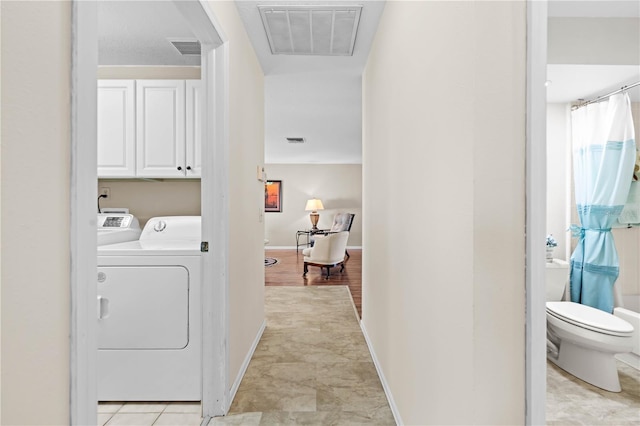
x=194, y=128
x=160, y=131
x=149, y=128
x=116, y=128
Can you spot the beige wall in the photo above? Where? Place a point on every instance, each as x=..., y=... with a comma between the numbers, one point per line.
x=246, y=200
x=35, y=205
x=338, y=186
x=36, y=52
x=443, y=255
x=146, y=199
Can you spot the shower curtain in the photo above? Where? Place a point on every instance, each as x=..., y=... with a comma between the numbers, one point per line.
x=604, y=153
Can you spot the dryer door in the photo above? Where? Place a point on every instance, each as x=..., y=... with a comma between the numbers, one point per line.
x=143, y=307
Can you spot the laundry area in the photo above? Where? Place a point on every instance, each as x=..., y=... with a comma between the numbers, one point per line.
x=149, y=110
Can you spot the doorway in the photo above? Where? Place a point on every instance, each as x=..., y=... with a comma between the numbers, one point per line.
x=214, y=54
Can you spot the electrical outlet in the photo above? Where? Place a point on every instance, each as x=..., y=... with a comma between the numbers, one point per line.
x=105, y=191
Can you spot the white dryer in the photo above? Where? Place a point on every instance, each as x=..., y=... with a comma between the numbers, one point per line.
x=149, y=314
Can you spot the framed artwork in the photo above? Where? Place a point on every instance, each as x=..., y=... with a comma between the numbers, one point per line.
x=273, y=196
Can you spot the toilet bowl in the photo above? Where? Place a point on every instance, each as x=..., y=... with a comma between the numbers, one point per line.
x=580, y=339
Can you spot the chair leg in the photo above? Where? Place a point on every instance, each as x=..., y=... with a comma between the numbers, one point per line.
x=328, y=272
x=342, y=267
x=347, y=253
x=306, y=269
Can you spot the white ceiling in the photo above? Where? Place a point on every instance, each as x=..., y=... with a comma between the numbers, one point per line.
x=136, y=33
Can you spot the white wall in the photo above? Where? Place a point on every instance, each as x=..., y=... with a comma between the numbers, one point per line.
x=36, y=52
x=246, y=202
x=612, y=41
x=325, y=109
x=338, y=186
x=559, y=178
x=443, y=251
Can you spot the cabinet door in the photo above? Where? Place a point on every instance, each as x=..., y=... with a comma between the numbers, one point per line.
x=194, y=127
x=116, y=128
x=160, y=131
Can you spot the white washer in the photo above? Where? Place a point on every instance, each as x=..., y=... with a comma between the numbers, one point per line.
x=117, y=227
x=149, y=314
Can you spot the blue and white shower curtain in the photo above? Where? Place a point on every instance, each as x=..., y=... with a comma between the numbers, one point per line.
x=604, y=153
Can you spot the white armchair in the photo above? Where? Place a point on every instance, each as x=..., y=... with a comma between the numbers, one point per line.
x=327, y=252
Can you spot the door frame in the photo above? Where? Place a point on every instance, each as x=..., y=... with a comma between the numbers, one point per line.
x=83, y=193
x=536, y=214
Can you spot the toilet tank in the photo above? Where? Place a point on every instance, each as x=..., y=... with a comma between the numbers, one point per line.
x=557, y=276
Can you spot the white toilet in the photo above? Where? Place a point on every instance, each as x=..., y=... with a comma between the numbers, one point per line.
x=580, y=339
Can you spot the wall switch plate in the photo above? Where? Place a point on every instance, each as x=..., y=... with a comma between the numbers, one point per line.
x=262, y=177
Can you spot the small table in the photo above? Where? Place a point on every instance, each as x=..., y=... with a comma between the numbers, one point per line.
x=308, y=233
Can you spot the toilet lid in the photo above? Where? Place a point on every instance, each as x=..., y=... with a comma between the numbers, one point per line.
x=590, y=318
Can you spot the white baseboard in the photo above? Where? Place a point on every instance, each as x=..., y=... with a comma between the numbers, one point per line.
x=245, y=365
x=385, y=385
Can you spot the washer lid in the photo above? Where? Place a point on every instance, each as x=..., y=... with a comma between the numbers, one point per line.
x=590, y=318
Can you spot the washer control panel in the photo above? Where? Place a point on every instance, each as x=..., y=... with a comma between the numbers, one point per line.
x=115, y=220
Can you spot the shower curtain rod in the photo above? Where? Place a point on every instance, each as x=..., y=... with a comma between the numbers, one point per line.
x=599, y=98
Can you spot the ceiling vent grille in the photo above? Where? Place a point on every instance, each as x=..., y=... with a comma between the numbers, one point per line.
x=186, y=47
x=311, y=30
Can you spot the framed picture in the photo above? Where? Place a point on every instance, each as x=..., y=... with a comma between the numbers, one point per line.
x=273, y=196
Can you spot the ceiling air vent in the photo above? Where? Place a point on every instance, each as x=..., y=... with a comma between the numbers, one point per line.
x=295, y=140
x=186, y=47
x=311, y=30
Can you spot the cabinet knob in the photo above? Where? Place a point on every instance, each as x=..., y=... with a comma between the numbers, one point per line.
x=179, y=168
x=188, y=167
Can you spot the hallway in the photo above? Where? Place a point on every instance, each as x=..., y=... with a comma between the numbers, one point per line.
x=312, y=365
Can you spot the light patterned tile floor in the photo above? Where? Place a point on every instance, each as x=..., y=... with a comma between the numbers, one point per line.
x=149, y=414
x=312, y=365
x=570, y=401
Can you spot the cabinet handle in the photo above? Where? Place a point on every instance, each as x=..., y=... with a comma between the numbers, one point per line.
x=179, y=168
x=188, y=167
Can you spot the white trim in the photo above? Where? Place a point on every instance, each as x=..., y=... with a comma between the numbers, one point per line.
x=536, y=181
x=383, y=380
x=214, y=206
x=245, y=365
x=83, y=406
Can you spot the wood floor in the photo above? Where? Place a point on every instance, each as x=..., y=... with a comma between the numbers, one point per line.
x=288, y=272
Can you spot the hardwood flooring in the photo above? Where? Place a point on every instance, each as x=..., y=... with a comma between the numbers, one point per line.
x=288, y=272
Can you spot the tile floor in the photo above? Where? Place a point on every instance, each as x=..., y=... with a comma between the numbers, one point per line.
x=149, y=413
x=570, y=401
x=312, y=365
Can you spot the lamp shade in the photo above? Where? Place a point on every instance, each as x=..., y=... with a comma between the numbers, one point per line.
x=314, y=205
